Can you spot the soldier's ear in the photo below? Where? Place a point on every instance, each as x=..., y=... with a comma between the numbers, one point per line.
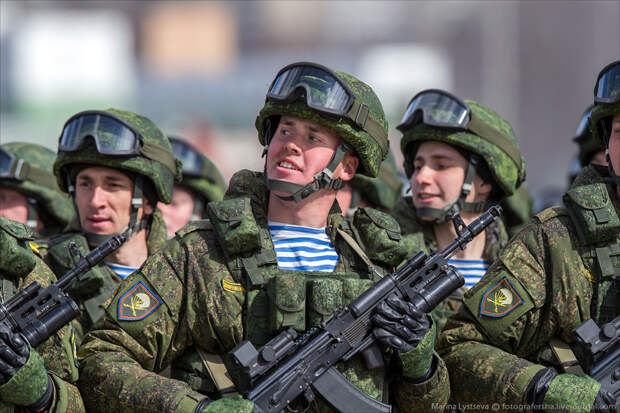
x=147, y=207
x=349, y=164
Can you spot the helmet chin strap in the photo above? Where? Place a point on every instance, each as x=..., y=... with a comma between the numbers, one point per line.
x=322, y=180
x=445, y=214
x=134, y=225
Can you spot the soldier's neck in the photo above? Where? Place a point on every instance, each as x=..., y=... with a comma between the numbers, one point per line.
x=311, y=212
x=133, y=253
x=445, y=234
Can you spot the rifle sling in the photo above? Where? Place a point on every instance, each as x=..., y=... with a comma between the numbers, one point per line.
x=217, y=370
x=566, y=357
x=355, y=246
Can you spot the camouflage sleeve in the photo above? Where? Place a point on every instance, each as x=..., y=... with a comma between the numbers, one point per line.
x=536, y=290
x=59, y=353
x=143, y=330
x=432, y=395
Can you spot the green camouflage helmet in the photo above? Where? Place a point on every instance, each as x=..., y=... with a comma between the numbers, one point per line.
x=383, y=191
x=370, y=151
x=200, y=174
x=600, y=119
x=156, y=161
x=588, y=146
x=39, y=183
x=498, y=147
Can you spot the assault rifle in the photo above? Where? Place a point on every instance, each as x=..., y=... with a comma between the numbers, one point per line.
x=598, y=352
x=289, y=366
x=37, y=313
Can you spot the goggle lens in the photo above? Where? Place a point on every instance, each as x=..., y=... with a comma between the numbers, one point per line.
x=583, y=124
x=192, y=162
x=437, y=109
x=608, y=85
x=323, y=91
x=111, y=136
x=6, y=162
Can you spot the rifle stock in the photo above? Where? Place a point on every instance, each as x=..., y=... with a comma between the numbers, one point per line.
x=289, y=366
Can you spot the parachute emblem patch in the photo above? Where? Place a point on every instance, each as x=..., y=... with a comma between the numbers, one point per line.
x=500, y=299
x=137, y=303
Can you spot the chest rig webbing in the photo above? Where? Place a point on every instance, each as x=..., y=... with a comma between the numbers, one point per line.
x=277, y=299
x=597, y=224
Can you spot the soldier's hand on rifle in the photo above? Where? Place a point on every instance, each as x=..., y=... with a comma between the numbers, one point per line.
x=399, y=324
x=402, y=326
x=23, y=377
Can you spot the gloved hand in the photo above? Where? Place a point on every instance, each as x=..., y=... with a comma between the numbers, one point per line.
x=235, y=404
x=23, y=378
x=402, y=326
x=562, y=392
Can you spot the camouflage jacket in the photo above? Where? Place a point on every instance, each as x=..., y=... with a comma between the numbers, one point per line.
x=185, y=295
x=97, y=288
x=59, y=351
x=420, y=237
x=554, y=275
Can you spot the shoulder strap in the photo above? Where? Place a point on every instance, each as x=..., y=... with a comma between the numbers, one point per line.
x=358, y=250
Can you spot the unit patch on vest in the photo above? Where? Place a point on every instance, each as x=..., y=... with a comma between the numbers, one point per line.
x=137, y=303
x=232, y=287
x=500, y=299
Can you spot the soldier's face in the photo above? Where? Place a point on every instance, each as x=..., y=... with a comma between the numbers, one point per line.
x=13, y=205
x=300, y=148
x=438, y=175
x=103, y=198
x=614, y=144
x=179, y=212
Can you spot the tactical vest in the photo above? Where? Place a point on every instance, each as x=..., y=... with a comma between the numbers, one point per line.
x=278, y=299
x=597, y=224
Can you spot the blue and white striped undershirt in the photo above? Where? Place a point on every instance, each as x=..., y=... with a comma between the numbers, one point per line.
x=472, y=270
x=303, y=248
x=121, y=270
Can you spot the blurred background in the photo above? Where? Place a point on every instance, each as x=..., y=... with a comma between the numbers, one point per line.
x=200, y=69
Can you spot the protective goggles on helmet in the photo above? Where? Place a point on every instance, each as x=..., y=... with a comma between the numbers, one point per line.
x=583, y=124
x=111, y=134
x=194, y=164
x=436, y=107
x=12, y=167
x=326, y=93
x=607, y=88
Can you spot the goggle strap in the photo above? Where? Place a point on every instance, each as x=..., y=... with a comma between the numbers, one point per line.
x=495, y=137
x=23, y=171
x=360, y=114
x=161, y=155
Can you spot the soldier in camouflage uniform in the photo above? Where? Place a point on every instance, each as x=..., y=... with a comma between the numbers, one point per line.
x=506, y=344
x=225, y=279
x=202, y=183
x=461, y=157
x=28, y=190
x=116, y=166
x=380, y=193
x=33, y=380
x=591, y=163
